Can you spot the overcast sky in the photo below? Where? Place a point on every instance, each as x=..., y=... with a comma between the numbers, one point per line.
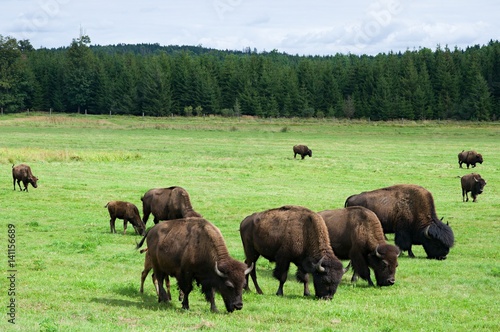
x=312, y=27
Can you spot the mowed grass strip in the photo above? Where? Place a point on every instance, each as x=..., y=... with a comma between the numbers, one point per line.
x=73, y=275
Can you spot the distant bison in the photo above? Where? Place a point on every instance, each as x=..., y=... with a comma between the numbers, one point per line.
x=356, y=234
x=409, y=212
x=292, y=234
x=472, y=183
x=167, y=204
x=302, y=150
x=126, y=211
x=193, y=249
x=22, y=172
x=469, y=158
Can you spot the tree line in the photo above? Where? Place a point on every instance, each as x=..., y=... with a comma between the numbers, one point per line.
x=154, y=80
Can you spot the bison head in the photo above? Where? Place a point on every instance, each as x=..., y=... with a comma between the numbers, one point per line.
x=479, y=184
x=438, y=238
x=479, y=158
x=384, y=261
x=326, y=273
x=33, y=180
x=231, y=282
x=139, y=227
x=309, y=152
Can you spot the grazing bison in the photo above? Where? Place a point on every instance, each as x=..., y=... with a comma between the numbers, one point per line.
x=193, y=249
x=292, y=234
x=22, y=172
x=302, y=150
x=126, y=211
x=469, y=158
x=167, y=204
x=148, y=266
x=409, y=212
x=356, y=234
x=472, y=183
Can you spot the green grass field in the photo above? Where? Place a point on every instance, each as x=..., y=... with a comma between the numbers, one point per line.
x=72, y=274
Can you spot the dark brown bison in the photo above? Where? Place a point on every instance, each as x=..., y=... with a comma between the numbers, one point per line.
x=356, y=234
x=22, y=172
x=167, y=204
x=292, y=234
x=472, y=183
x=469, y=158
x=302, y=150
x=193, y=249
x=126, y=211
x=409, y=212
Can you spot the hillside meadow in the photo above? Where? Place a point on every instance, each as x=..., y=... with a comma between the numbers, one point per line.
x=72, y=274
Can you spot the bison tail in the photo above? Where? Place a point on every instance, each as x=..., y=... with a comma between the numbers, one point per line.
x=106, y=205
x=347, y=200
x=138, y=245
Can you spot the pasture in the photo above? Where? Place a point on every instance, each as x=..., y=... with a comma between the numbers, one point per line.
x=72, y=274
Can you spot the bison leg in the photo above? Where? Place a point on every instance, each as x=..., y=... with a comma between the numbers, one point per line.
x=145, y=217
x=162, y=294
x=112, y=225
x=403, y=241
x=464, y=196
x=209, y=296
x=360, y=267
x=124, y=226
x=253, y=274
x=281, y=273
x=303, y=277
x=145, y=272
x=185, y=288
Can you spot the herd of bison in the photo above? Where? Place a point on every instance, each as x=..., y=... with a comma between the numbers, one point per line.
x=186, y=246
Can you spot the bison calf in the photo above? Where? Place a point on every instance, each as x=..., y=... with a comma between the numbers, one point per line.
x=126, y=211
x=356, y=234
x=469, y=158
x=148, y=265
x=472, y=183
x=302, y=150
x=22, y=172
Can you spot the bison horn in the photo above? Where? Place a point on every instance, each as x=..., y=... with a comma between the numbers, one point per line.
x=376, y=252
x=219, y=273
x=318, y=265
x=247, y=271
x=426, y=232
